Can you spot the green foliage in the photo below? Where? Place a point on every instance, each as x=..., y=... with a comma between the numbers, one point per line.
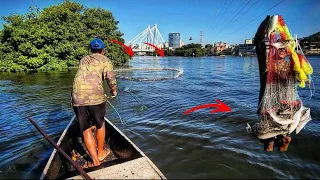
x=169, y=52
x=314, y=37
x=57, y=37
x=10, y=66
x=188, y=50
x=209, y=48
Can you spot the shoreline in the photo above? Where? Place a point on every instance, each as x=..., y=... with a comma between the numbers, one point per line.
x=61, y=70
x=128, y=66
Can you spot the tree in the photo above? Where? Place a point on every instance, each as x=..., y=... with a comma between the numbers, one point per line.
x=209, y=48
x=314, y=37
x=169, y=52
x=190, y=50
x=227, y=51
x=57, y=37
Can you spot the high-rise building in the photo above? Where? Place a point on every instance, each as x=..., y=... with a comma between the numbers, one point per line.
x=174, y=40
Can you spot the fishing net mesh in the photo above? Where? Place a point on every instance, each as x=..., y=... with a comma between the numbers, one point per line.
x=280, y=95
x=281, y=89
x=148, y=74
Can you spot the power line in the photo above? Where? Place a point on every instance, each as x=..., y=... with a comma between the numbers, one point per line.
x=225, y=11
x=245, y=11
x=255, y=18
x=241, y=5
x=233, y=18
x=218, y=14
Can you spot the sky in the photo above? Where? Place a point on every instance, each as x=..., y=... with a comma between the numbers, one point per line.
x=230, y=21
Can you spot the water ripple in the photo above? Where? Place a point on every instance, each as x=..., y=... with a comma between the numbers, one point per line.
x=197, y=145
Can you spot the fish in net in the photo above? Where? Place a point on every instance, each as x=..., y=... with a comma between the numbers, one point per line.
x=282, y=69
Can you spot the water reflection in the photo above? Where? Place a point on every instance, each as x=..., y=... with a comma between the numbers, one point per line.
x=220, y=65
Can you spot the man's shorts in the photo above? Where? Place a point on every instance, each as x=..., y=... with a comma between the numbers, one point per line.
x=90, y=115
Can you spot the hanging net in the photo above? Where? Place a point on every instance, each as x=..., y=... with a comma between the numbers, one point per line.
x=280, y=109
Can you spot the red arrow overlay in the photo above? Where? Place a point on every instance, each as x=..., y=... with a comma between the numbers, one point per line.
x=125, y=48
x=220, y=107
x=158, y=50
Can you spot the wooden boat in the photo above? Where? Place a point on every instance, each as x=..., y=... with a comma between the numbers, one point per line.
x=126, y=160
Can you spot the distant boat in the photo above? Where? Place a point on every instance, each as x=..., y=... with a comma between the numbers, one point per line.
x=240, y=54
x=126, y=160
x=222, y=55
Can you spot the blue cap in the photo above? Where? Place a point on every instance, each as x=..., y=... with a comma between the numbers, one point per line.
x=97, y=43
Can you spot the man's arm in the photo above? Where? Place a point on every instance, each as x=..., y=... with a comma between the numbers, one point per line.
x=110, y=78
x=261, y=56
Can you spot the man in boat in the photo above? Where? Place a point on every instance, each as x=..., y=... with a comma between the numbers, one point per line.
x=88, y=99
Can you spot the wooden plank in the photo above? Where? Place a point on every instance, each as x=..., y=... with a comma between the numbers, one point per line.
x=135, y=169
x=45, y=170
x=137, y=148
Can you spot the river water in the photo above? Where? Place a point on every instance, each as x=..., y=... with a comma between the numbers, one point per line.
x=197, y=145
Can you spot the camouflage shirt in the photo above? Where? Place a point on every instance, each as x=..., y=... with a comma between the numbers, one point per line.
x=88, y=82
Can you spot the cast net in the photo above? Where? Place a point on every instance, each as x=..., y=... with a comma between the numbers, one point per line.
x=148, y=74
x=281, y=110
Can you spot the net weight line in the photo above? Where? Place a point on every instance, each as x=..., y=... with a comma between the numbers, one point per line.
x=179, y=73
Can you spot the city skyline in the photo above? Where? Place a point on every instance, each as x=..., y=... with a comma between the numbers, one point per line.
x=230, y=21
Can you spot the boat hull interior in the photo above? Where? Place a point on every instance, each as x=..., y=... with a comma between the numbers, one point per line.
x=72, y=143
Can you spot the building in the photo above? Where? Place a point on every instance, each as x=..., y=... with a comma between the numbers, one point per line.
x=308, y=47
x=181, y=43
x=248, y=48
x=234, y=49
x=219, y=47
x=174, y=40
x=234, y=46
x=166, y=45
x=248, y=41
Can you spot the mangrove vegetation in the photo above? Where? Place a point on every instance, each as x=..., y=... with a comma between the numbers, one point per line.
x=57, y=37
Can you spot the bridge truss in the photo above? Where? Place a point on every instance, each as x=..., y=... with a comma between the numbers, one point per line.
x=150, y=35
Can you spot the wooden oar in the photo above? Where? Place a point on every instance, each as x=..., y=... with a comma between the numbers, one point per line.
x=75, y=165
